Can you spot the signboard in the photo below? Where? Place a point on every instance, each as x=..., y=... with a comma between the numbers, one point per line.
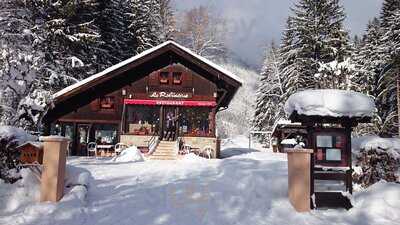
x=324, y=141
x=170, y=102
x=171, y=94
x=333, y=154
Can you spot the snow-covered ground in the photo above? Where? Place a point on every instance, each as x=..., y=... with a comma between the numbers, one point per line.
x=246, y=187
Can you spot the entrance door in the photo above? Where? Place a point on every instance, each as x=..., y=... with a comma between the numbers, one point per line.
x=82, y=138
x=170, y=123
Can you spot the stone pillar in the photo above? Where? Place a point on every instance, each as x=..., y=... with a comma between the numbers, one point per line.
x=54, y=160
x=299, y=179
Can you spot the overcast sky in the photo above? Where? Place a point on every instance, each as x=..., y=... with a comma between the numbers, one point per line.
x=254, y=23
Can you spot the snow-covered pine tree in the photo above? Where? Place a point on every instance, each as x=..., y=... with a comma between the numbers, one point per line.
x=22, y=99
x=320, y=39
x=287, y=62
x=270, y=94
x=145, y=24
x=70, y=40
x=387, y=83
x=370, y=61
x=237, y=119
x=388, y=9
x=113, y=23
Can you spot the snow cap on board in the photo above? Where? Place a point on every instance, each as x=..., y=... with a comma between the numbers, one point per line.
x=330, y=102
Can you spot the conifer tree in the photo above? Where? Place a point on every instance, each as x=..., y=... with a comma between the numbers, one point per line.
x=287, y=61
x=145, y=25
x=70, y=40
x=113, y=22
x=387, y=83
x=23, y=99
x=320, y=39
x=269, y=103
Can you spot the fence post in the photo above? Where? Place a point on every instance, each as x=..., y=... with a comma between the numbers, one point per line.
x=54, y=161
x=299, y=178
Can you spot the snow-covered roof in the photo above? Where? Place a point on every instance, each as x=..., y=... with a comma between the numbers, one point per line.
x=141, y=55
x=36, y=144
x=283, y=123
x=330, y=102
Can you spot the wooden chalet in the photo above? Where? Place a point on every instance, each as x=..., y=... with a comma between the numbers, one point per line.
x=133, y=102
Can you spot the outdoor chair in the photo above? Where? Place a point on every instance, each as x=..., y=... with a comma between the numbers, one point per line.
x=207, y=151
x=92, y=147
x=187, y=148
x=119, y=147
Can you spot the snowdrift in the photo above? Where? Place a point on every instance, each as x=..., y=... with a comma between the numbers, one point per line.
x=389, y=145
x=131, y=154
x=19, y=134
x=24, y=195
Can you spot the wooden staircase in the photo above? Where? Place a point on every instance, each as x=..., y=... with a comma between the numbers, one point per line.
x=165, y=150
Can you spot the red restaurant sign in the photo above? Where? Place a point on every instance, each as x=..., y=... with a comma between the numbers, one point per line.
x=169, y=102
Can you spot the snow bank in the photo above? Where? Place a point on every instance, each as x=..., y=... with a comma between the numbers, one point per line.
x=378, y=203
x=19, y=134
x=25, y=193
x=330, y=102
x=389, y=145
x=193, y=157
x=131, y=154
x=76, y=176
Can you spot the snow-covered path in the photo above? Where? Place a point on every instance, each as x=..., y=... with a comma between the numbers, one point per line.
x=234, y=190
x=246, y=187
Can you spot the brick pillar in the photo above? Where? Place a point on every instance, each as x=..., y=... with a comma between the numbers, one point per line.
x=299, y=179
x=54, y=160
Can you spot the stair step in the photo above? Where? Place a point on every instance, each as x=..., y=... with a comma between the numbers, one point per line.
x=165, y=150
x=163, y=154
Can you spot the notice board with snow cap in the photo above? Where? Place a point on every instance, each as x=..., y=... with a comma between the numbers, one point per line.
x=329, y=116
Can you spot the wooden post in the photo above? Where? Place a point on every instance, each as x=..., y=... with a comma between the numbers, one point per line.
x=54, y=160
x=299, y=178
x=349, y=178
x=398, y=101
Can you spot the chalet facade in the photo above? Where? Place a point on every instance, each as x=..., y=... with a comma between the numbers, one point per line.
x=165, y=93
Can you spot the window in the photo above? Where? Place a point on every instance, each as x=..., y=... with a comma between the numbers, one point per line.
x=107, y=103
x=142, y=120
x=164, y=77
x=177, y=76
x=195, y=122
x=105, y=134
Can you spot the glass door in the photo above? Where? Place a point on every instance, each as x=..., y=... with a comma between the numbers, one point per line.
x=82, y=138
x=170, y=120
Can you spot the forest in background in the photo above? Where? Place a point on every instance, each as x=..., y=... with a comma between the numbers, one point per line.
x=317, y=52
